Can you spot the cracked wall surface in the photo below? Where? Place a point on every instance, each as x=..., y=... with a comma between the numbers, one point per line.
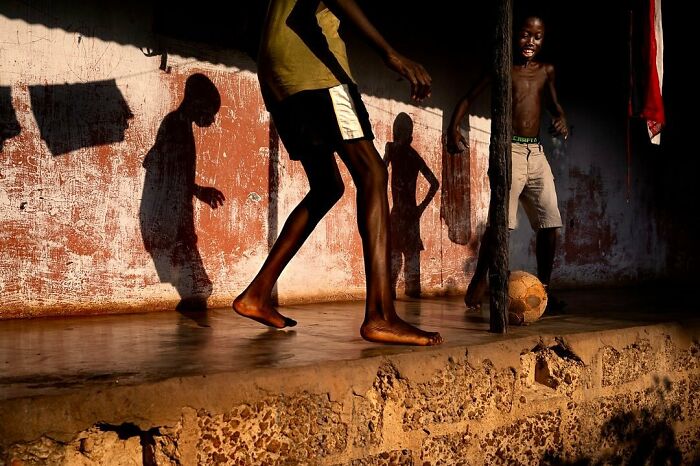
x=85, y=94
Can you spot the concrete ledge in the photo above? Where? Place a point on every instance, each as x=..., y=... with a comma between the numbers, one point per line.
x=623, y=395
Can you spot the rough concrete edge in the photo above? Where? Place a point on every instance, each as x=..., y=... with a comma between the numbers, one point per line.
x=161, y=403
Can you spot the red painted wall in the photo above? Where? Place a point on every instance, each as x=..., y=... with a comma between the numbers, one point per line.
x=84, y=98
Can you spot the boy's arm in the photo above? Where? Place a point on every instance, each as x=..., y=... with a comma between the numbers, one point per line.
x=415, y=73
x=387, y=154
x=559, y=124
x=434, y=186
x=455, y=141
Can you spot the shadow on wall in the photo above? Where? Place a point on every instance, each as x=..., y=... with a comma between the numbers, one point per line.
x=74, y=116
x=455, y=209
x=637, y=437
x=167, y=213
x=182, y=22
x=406, y=164
x=9, y=126
x=152, y=24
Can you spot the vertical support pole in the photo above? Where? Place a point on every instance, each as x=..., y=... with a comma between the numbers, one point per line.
x=500, y=165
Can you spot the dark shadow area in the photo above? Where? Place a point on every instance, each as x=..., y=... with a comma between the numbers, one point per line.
x=273, y=189
x=452, y=40
x=229, y=33
x=675, y=178
x=192, y=341
x=406, y=164
x=269, y=348
x=9, y=126
x=201, y=319
x=237, y=29
x=455, y=208
x=642, y=436
x=75, y=116
x=167, y=213
x=128, y=430
x=200, y=32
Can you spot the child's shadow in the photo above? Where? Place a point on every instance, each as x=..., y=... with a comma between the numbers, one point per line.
x=167, y=213
x=406, y=164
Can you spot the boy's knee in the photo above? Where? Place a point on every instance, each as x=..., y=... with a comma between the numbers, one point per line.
x=547, y=232
x=328, y=194
x=378, y=176
x=336, y=191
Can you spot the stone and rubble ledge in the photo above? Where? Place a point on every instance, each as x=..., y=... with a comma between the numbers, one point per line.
x=623, y=396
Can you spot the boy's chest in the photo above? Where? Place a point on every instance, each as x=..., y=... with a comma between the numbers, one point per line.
x=528, y=79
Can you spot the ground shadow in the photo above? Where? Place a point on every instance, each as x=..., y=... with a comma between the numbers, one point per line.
x=167, y=212
x=75, y=116
x=643, y=436
x=9, y=126
x=269, y=347
x=406, y=164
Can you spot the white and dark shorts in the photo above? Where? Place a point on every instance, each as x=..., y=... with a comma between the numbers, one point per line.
x=319, y=120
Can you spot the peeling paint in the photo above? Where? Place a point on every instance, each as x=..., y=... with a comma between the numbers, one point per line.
x=71, y=237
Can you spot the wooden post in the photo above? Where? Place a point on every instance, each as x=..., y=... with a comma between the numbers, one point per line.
x=499, y=165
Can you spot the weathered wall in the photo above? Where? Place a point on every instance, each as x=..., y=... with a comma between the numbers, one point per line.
x=625, y=396
x=614, y=231
x=82, y=204
x=85, y=96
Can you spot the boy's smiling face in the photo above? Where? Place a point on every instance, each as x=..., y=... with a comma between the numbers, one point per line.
x=529, y=39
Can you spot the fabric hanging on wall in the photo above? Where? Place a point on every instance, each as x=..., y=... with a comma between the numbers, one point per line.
x=647, y=69
x=653, y=111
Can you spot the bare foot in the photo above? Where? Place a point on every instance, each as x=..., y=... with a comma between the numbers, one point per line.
x=261, y=312
x=472, y=307
x=397, y=332
x=475, y=295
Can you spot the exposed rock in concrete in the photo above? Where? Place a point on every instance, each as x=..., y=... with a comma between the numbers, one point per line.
x=280, y=430
x=688, y=360
x=390, y=458
x=627, y=364
x=555, y=407
x=91, y=448
x=621, y=429
x=368, y=427
x=448, y=450
x=458, y=393
x=555, y=367
x=525, y=441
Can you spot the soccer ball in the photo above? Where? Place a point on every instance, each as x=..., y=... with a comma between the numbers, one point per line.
x=527, y=298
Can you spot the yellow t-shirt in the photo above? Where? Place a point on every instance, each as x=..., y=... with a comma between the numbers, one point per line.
x=300, y=50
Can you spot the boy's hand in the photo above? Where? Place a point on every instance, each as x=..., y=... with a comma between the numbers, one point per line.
x=559, y=127
x=211, y=196
x=455, y=142
x=415, y=73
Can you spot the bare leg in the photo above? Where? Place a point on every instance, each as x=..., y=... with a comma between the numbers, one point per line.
x=396, y=266
x=477, y=285
x=325, y=189
x=545, y=247
x=381, y=324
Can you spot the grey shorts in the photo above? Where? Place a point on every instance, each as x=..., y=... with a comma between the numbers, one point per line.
x=533, y=186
